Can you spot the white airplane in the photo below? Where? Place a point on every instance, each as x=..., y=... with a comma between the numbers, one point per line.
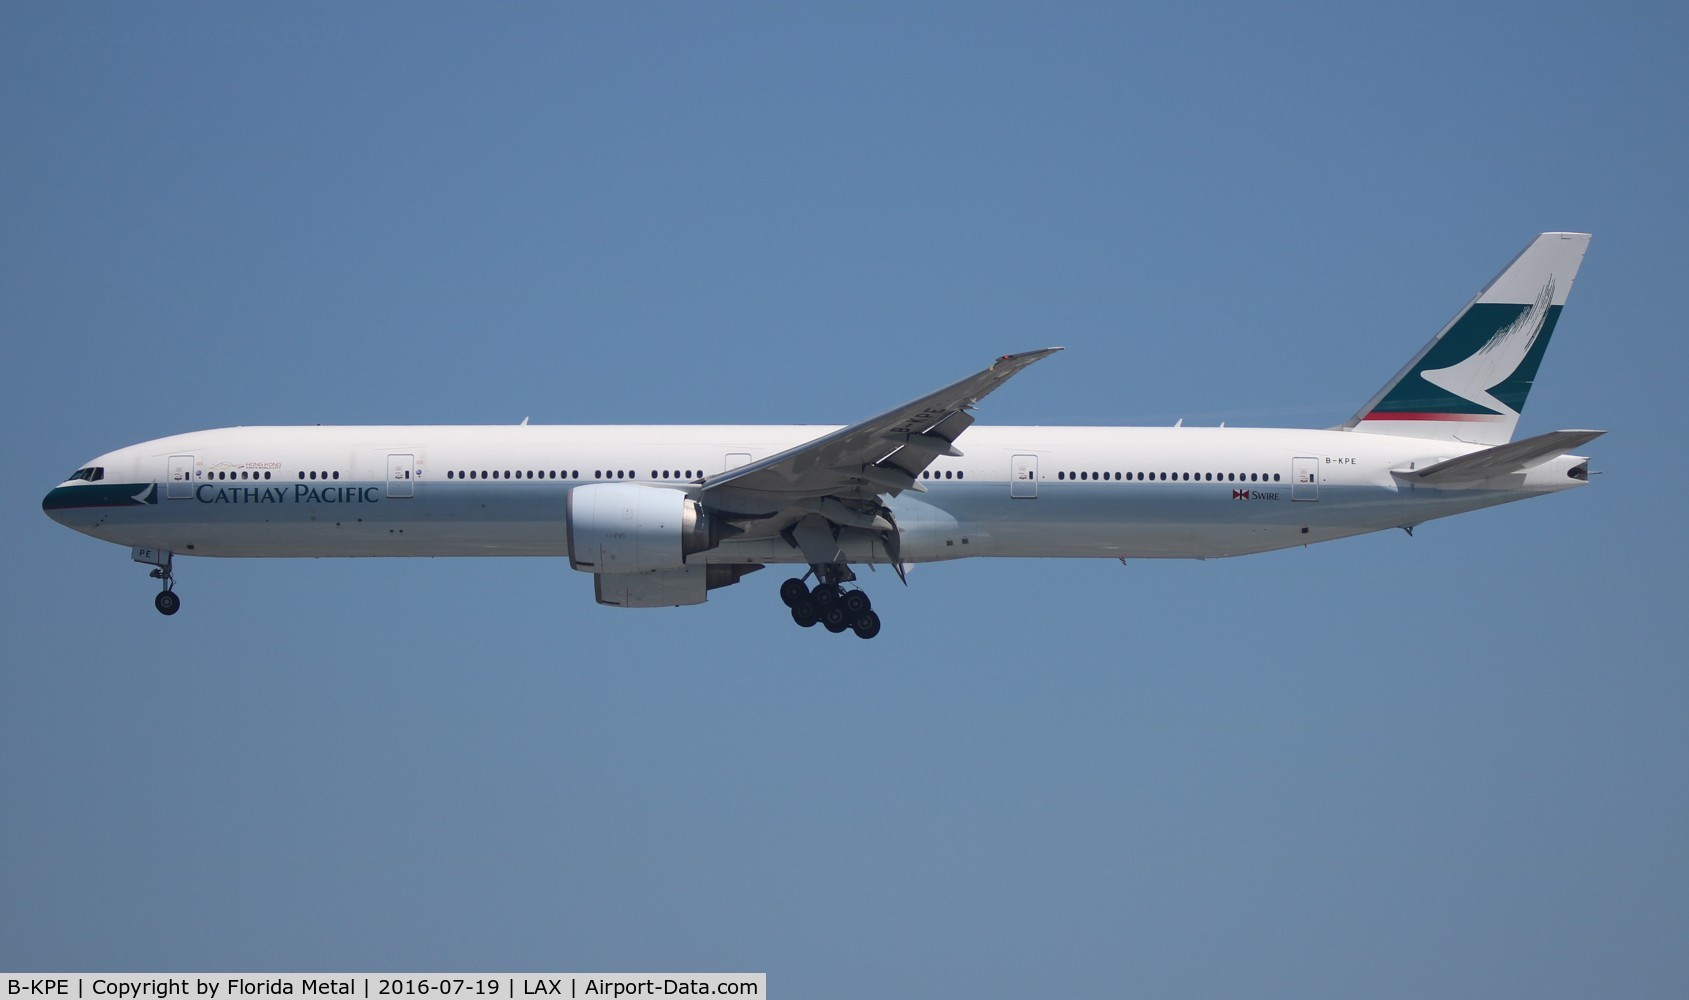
x=661, y=515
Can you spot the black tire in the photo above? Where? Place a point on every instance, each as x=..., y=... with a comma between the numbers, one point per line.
x=856, y=603
x=867, y=626
x=167, y=602
x=793, y=592
x=834, y=615
x=836, y=627
x=805, y=614
x=826, y=595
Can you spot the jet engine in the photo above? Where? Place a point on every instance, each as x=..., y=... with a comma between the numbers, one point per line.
x=632, y=528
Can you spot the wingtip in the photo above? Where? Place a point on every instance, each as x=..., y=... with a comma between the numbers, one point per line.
x=1030, y=356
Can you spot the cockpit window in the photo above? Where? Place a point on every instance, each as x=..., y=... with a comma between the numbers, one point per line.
x=92, y=474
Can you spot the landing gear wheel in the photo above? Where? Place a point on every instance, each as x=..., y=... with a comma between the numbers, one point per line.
x=856, y=603
x=825, y=595
x=167, y=602
x=793, y=592
x=867, y=625
x=805, y=614
x=838, y=626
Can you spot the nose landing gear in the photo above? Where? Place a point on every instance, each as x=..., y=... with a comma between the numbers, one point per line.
x=166, y=602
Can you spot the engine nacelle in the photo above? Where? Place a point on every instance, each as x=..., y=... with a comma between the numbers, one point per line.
x=629, y=528
x=667, y=588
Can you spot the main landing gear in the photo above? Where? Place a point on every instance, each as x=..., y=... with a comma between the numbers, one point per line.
x=831, y=605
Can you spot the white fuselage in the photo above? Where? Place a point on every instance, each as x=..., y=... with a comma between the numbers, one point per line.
x=1016, y=491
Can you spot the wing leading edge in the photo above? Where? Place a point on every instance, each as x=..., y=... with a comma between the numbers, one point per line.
x=884, y=454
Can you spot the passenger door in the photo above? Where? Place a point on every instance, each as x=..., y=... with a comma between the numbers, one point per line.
x=1023, y=477
x=401, y=476
x=179, y=479
x=1305, y=479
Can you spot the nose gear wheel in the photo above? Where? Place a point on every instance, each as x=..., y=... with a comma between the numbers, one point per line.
x=166, y=602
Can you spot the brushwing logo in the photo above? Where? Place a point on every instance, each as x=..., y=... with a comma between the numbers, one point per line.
x=1496, y=361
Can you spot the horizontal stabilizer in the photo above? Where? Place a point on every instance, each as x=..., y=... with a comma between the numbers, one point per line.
x=1500, y=460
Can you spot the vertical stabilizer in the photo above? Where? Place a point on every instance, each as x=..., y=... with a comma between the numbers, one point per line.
x=1470, y=382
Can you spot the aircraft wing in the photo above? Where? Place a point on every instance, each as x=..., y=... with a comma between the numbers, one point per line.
x=880, y=455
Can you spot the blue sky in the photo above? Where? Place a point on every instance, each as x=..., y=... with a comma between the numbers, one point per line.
x=1450, y=764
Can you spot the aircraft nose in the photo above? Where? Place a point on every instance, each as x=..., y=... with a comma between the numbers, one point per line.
x=55, y=503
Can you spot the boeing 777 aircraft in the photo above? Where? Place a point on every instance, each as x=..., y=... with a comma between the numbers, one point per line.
x=662, y=515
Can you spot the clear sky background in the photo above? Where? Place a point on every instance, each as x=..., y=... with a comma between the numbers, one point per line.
x=1451, y=764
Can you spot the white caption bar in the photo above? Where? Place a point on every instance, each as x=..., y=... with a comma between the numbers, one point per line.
x=377, y=986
